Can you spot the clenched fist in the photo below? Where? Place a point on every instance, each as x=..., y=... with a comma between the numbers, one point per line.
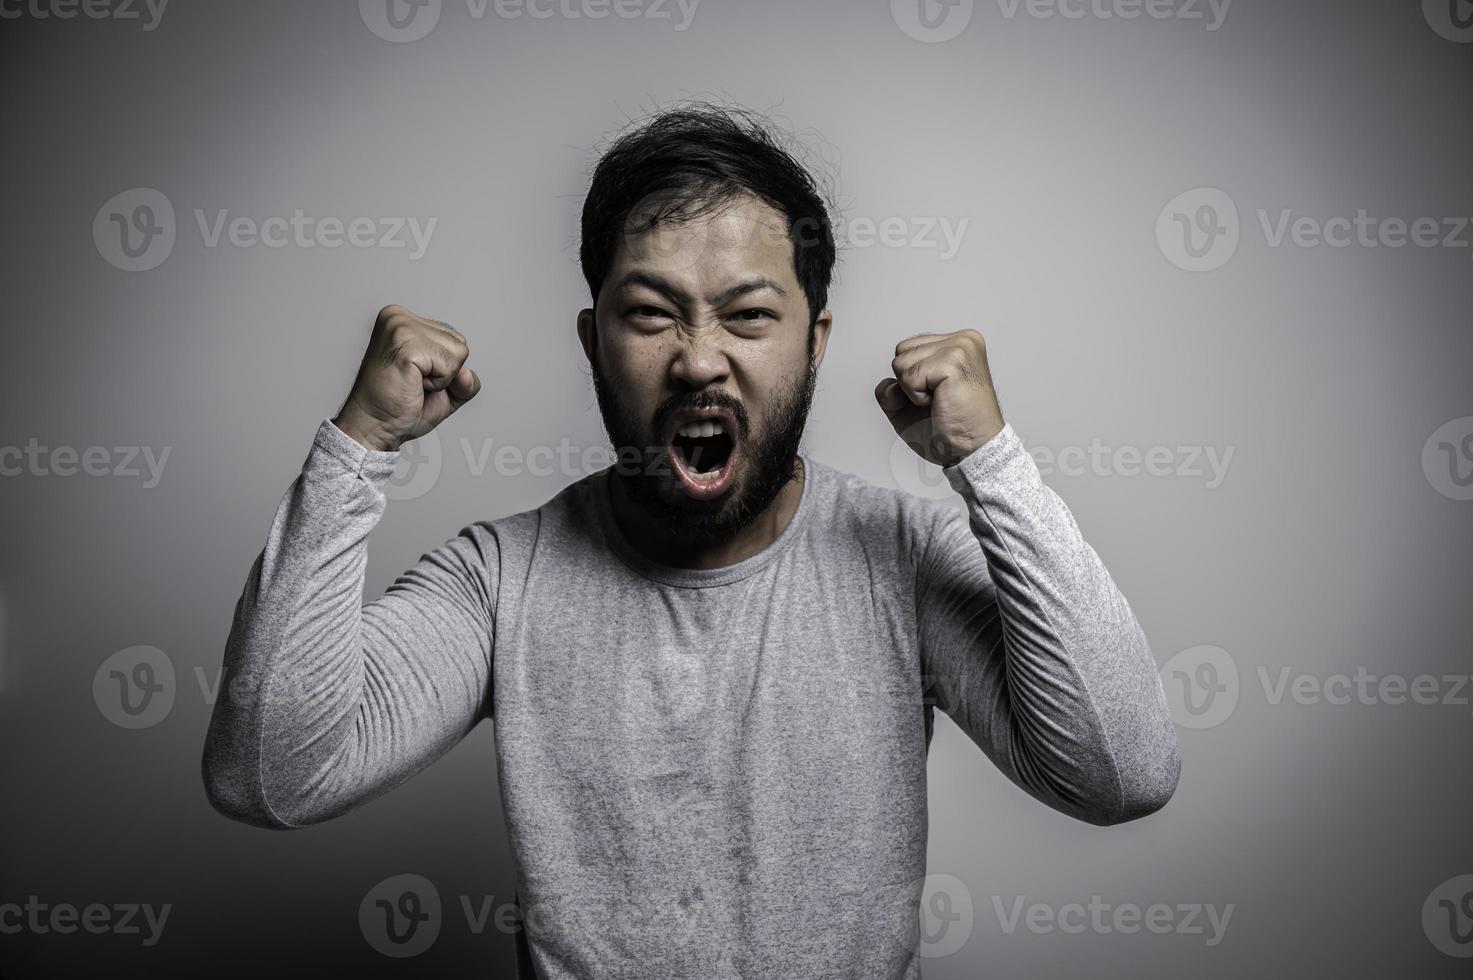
x=412, y=377
x=941, y=400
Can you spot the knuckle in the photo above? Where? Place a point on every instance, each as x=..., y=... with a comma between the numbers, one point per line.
x=390, y=312
x=399, y=332
x=442, y=356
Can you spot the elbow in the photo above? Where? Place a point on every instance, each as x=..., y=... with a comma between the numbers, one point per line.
x=1146, y=786
x=235, y=793
x=1145, y=801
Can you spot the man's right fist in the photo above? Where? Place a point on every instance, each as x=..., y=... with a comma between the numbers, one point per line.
x=412, y=377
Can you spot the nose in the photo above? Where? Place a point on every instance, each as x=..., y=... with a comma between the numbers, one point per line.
x=699, y=363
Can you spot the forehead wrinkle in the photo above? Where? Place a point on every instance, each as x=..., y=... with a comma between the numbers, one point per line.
x=745, y=235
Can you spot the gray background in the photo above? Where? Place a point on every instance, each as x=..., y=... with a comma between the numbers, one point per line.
x=1325, y=548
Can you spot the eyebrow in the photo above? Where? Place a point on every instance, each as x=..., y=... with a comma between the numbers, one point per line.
x=679, y=297
x=745, y=287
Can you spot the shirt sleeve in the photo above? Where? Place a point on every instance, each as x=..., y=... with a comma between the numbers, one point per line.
x=1030, y=648
x=326, y=703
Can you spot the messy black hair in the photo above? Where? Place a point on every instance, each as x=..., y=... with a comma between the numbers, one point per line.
x=691, y=160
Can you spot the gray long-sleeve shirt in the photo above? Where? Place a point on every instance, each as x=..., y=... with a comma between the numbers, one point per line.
x=705, y=773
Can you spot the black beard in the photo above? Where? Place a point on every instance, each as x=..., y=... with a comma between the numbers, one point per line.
x=644, y=469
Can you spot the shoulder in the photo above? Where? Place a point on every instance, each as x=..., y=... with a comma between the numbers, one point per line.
x=879, y=514
x=502, y=543
x=572, y=506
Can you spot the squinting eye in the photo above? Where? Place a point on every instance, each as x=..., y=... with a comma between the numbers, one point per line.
x=755, y=314
x=647, y=311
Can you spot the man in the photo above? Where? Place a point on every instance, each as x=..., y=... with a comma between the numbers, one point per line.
x=711, y=666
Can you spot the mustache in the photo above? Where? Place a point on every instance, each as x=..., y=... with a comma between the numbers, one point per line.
x=700, y=401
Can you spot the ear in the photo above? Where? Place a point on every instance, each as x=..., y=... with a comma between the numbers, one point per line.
x=821, y=328
x=587, y=334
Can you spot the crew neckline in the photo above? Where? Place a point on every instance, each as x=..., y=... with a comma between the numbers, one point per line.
x=700, y=578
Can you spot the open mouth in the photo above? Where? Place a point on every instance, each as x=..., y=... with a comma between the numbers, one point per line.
x=702, y=451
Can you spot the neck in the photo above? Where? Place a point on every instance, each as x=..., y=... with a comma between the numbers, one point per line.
x=655, y=542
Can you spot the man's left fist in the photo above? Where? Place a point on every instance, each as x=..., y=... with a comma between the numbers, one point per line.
x=941, y=401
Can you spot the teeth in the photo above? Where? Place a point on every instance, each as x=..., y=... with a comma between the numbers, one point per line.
x=702, y=430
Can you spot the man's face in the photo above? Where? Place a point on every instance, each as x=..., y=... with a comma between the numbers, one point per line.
x=703, y=366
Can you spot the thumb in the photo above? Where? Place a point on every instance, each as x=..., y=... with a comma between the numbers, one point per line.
x=892, y=398
x=911, y=422
x=463, y=387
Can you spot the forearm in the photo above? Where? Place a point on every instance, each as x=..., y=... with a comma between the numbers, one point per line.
x=325, y=703
x=1072, y=700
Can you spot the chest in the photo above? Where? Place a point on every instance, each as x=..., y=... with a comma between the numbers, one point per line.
x=663, y=654
x=764, y=729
